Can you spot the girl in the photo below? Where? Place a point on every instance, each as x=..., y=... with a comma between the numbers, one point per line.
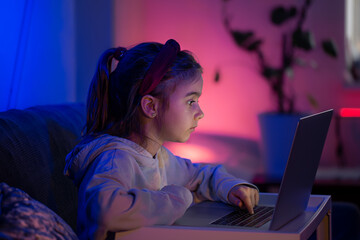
x=126, y=178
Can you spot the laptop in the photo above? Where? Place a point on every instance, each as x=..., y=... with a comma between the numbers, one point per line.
x=294, y=193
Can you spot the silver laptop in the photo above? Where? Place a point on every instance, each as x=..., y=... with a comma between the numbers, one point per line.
x=295, y=188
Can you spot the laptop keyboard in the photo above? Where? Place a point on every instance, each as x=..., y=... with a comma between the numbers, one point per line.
x=262, y=215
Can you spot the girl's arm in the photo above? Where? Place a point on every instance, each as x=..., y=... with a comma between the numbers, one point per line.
x=110, y=203
x=208, y=182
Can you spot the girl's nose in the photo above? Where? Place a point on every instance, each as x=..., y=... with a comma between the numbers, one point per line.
x=199, y=115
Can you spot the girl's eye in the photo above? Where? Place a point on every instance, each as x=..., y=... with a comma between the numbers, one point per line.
x=190, y=102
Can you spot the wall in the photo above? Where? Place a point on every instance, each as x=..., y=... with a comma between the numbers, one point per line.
x=231, y=105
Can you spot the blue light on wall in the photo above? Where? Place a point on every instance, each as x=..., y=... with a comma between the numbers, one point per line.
x=37, y=53
x=47, y=47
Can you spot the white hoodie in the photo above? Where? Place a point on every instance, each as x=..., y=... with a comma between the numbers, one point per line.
x=122, y=187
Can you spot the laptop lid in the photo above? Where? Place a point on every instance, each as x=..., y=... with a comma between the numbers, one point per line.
x=300, y=171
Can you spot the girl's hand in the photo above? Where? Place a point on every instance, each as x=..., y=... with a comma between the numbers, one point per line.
x=245, y=197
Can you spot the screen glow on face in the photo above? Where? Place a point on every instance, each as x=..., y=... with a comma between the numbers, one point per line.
x=182, y=116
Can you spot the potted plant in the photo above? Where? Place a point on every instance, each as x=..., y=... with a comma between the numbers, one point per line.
x=278, y=127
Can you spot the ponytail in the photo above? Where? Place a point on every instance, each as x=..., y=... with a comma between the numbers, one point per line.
x=98, y=96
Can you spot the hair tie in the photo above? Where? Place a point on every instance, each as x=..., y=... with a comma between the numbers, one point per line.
x=159, y=67
x=119, y=53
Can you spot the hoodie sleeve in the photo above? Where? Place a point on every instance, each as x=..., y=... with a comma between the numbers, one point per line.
x=207, y=182
x=109, y=203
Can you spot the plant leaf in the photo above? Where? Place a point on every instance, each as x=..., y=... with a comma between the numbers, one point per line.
x=280, y=15
x=303, y=40
x=300, y=61
x=217, y=76
x=289, y=73
x=312, y=101
x=269, y=72
x=254, y=45
x=241, y=37
x=329, y=47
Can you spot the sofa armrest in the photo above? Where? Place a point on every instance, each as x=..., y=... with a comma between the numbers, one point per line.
x=33, y=145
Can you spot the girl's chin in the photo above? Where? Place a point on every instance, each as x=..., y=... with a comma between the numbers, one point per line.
x=180, y=139
x=183, y=139
x=187, y=138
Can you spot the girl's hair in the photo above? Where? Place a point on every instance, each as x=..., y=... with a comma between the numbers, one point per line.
x=113, y=99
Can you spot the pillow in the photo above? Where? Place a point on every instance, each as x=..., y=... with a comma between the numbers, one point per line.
x=22, y=217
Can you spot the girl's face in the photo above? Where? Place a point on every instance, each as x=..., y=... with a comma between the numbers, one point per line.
x=183, y=113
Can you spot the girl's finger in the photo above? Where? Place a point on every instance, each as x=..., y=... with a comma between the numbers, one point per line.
x=257, y=198
x=248, y=204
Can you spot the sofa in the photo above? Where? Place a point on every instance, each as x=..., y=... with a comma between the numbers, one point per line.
x=33, y=145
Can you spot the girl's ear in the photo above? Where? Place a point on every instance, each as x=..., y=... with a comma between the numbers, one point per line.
x=149, y=106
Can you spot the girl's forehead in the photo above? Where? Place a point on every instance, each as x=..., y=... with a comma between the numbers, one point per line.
x=191, y=86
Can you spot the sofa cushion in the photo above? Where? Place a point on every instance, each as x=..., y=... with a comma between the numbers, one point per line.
x=25, y=218
x=33, y=145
